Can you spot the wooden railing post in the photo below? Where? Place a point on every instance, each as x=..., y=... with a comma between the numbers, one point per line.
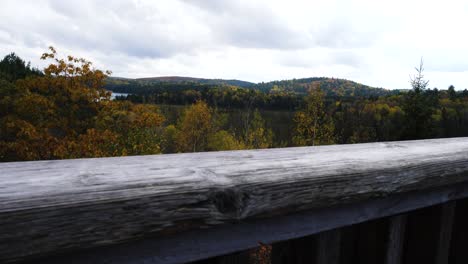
x=396, y=239
x=445, y=232
x=459, y=245
x=328, y=247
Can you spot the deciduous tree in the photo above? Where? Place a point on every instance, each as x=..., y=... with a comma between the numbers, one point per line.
x=313, y=125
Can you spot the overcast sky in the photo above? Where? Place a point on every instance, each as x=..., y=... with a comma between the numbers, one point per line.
x=377, y=43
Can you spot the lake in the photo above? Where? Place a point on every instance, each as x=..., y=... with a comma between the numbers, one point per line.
x=114, y=95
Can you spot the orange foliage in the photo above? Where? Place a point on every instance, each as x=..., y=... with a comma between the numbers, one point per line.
x=66, y=113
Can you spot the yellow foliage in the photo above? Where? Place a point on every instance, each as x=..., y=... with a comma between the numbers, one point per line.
x=66, y=113
x=223, y=140
x=195, y=127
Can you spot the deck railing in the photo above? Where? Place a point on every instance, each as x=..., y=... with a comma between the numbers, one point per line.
x=392, y=202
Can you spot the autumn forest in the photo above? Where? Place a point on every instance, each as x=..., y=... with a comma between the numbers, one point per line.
x=67, y=110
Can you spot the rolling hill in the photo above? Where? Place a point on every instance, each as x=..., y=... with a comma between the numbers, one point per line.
x=184, y=80
x=332, y=87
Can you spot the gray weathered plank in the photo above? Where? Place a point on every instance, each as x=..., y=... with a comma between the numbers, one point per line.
x=201, y=244
x=47, y=206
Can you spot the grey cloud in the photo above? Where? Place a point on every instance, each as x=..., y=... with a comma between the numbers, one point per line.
x=320, y=57
x=248, y=38
x=118, y=26
x=151, y=31
x=342, y=34
x=245, y=25
x=348, y=58
x=212, y=5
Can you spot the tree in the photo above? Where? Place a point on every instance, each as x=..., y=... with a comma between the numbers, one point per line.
x=194, y=128
x=139, y=126
x=223, y=140
x=417, y=107
x=13, y=68
x=417, y=80
x=452, y=93
x=169, y=139
x=67, y=113
x=313, y=125
x=256, y=136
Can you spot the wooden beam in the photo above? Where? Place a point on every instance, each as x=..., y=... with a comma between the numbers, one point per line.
x=371, y=238
x=57, y=206
x=202, y=244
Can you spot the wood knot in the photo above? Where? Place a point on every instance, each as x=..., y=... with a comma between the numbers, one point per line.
x=230, y=202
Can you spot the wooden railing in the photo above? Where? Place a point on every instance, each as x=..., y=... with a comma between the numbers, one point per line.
x=393, y=202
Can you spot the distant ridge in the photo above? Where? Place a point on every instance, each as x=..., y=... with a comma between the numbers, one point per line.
x=334, y=87
x=182, y=79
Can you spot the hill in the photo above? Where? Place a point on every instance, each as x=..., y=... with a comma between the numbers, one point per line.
x=331, y=86
x=186, y=80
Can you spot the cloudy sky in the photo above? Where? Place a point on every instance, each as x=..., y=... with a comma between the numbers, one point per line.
x=377, y=43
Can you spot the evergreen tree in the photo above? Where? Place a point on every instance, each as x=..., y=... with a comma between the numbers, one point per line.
x=418, y=110
x=13, y=68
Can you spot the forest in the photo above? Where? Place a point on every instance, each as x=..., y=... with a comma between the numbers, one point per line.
x=66, y=111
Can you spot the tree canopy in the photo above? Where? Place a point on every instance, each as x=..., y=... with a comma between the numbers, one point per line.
x=66, y=111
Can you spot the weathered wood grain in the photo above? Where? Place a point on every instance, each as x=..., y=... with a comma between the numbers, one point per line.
x=50, y=206
x=201, y=244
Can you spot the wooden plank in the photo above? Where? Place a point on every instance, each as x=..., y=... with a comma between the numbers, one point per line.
x=422, y=235
x=304, y=249
x=459, y=245
x=371, y=237
x=445, y=232
x=349, y=245
x=328, y=247
x=51, y=206
x=202, y=244
x=396, y=239
x=282, y=252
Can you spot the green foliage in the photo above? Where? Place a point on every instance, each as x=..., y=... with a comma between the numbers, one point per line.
x=65, y=112
x=256, y=136
x=276, y=95
x=418, y=108
x=13, y=68
x=169, y=141
x=223, y=140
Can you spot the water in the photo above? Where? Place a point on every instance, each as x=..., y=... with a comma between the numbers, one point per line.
x=114, y=95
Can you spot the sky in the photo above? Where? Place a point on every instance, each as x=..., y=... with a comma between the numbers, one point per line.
x=377, y=43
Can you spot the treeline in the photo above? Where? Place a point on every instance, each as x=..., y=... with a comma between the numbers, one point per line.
x=64, y=111
x=223, y=96
x=276, y=95
x=13, y=68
